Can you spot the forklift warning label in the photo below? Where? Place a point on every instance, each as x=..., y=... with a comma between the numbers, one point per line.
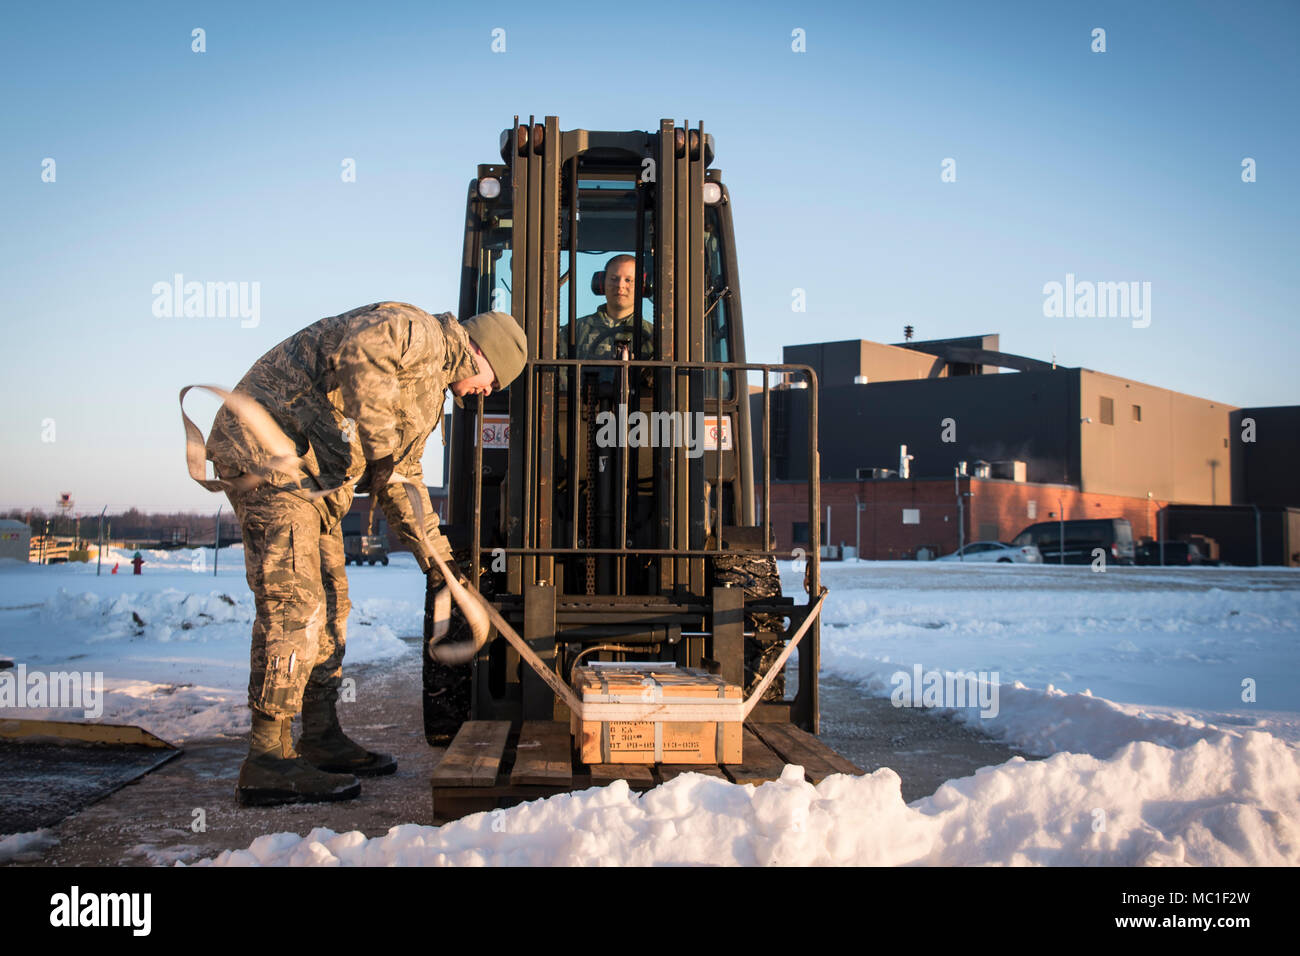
x=711, y=433
x=496, y=431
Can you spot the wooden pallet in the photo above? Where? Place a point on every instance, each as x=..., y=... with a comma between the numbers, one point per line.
x=487, y=766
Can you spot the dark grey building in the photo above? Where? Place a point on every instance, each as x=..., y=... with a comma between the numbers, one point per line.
x=1266, y=459
x=950, y=402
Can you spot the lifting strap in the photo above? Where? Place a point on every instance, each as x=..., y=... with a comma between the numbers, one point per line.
x=674, y=709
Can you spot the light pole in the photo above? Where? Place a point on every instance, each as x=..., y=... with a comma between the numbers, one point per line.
x=857, y=518
x=1163, y=520
x=1060, y=504
x=99, y=555
x=961, y=513
x=1259, y=540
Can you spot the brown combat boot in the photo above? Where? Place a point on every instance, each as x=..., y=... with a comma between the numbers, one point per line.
x=274, y=774
x=327, y=747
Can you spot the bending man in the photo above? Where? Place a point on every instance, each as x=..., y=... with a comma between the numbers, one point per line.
x=358, y=394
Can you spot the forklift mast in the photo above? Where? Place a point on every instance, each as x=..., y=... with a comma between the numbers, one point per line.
x=607, y=506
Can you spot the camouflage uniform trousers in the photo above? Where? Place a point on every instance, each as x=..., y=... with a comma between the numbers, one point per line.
x=295, y=570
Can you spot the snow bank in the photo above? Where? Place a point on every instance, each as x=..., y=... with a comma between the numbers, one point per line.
x=1044, y=722
x=1231, y=802
x=1235, y=801
x=165, y=615
x=174, y=660
x=170, y=615
x=1052, y=721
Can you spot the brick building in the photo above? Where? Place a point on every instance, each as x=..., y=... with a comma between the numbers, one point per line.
x=891, y=518
x=1029, y=446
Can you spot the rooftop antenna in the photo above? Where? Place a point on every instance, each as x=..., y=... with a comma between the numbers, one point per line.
x=907, y=333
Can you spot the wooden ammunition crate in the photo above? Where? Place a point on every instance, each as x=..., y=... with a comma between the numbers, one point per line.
x=652, y=742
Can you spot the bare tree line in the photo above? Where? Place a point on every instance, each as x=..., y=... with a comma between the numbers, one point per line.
x=173, y=526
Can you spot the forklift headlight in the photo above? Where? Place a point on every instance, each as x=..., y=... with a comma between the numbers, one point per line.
x=489, y=187
x=712, y=194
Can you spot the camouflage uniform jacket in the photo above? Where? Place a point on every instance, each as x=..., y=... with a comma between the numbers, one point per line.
x=598, y=334
x=347, y=390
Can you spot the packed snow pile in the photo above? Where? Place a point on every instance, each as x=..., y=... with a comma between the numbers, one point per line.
x=171, y=614
x=165, y=615
x=1232, y=801
x=168, y=650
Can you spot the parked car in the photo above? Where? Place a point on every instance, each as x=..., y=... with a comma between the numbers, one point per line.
x=365, y=539
x=365, y=549
x=1177, y=553
x=998, y=552
x=1082, y=537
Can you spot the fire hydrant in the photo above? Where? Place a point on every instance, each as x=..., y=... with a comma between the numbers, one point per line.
x=136, y=563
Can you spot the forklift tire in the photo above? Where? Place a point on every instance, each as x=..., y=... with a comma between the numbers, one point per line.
x=447, y=693
x=759, y=576
x=384, y=561
x=449, y=688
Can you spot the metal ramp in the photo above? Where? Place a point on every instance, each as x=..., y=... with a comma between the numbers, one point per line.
x=52, y=768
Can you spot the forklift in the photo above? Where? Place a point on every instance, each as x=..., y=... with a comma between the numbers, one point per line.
x=656, y=547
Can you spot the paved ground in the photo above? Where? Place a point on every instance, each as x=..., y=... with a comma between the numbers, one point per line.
x=923, y=748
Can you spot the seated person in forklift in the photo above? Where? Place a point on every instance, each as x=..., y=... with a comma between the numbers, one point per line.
x=607, y=332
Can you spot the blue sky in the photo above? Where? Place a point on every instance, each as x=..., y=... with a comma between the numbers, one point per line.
x=225, y=166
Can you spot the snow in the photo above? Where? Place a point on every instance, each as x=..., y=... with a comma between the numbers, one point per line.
x=172, y=643
x=1086, y=661
x=1233, y=802
x=26, y=847
x=1136, y=684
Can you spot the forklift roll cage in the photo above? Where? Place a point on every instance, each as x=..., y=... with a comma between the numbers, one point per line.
x=585, y=544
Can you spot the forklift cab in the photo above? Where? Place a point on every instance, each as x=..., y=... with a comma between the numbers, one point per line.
x=610, y=201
